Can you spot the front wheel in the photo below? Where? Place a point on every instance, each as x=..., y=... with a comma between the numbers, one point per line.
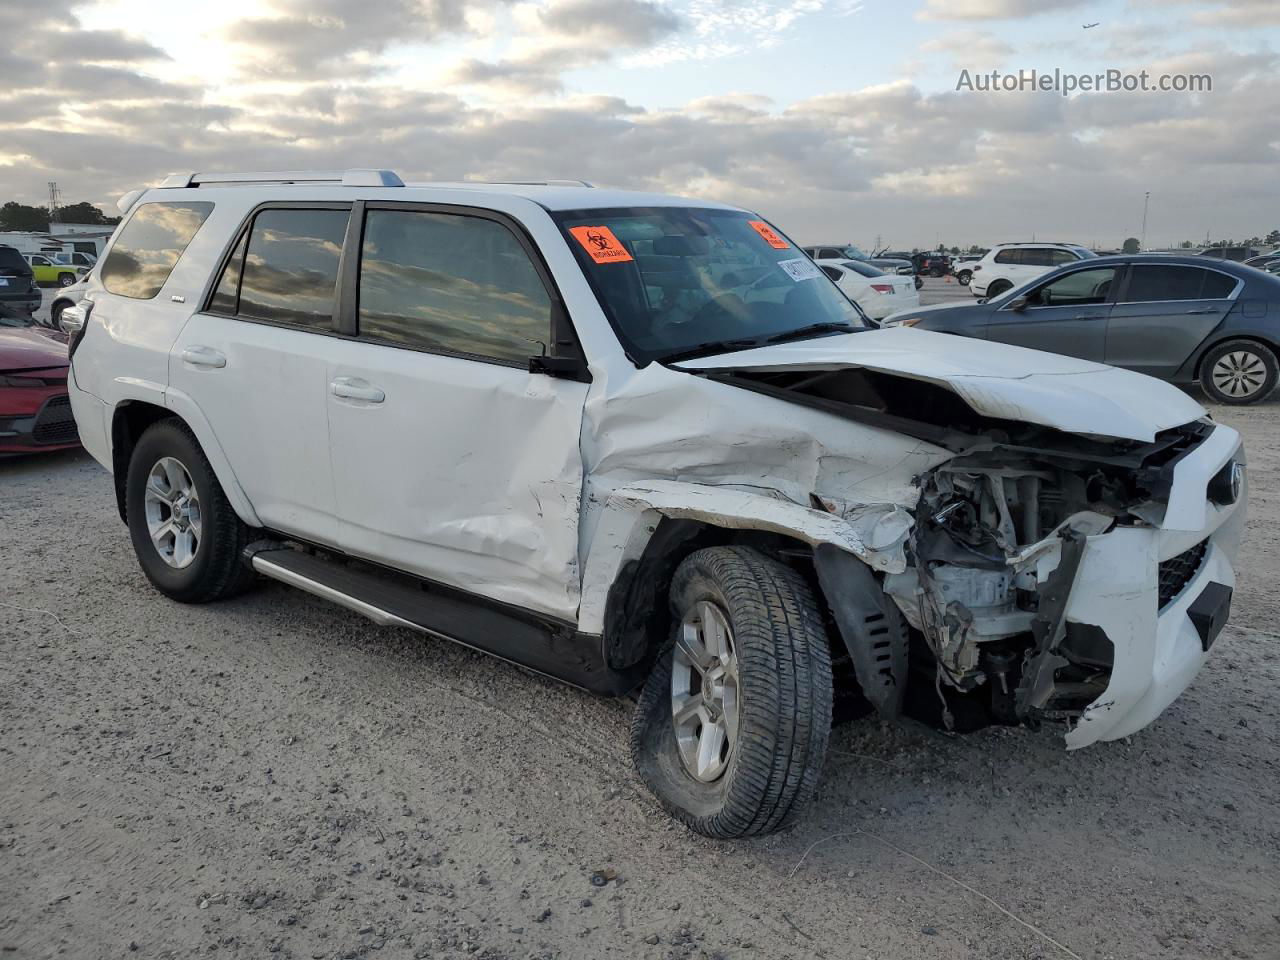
x=187, y=537
x=732, y=725
x=66, y=279
x=1239, y=372
x=997, y=287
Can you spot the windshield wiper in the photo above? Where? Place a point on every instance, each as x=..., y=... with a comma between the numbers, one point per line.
x=711, y=346
x=800, y=333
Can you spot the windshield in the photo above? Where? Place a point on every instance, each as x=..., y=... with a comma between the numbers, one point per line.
x=9, y=317
x=680, y=281
x=853, y=253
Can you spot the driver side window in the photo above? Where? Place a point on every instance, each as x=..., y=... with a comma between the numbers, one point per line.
x=1075, y=289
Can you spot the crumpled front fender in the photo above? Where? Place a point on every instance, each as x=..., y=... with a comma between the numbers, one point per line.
x=876, y=533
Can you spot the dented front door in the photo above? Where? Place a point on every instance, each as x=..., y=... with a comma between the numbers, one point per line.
x=450, y=459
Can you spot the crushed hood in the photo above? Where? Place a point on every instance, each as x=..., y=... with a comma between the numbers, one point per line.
x=996, y=380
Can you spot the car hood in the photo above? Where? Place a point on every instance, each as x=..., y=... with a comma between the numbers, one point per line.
x=996, y=380
x=30, y=348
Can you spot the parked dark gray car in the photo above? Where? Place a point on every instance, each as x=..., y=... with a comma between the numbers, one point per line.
x=1178, y=318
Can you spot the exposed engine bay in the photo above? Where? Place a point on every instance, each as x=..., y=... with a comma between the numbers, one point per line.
x=992, y=556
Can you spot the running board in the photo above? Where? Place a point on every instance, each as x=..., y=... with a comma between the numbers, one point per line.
x=394, y=599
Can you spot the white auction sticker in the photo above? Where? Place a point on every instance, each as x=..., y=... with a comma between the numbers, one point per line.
x=801, y=268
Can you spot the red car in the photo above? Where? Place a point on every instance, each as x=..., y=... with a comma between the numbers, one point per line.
x=35, y=412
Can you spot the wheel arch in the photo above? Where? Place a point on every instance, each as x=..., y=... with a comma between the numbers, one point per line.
x=645, y=532
x=131, y=418
x=1222, y=336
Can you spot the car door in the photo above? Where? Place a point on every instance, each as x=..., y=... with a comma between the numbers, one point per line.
x=451, y=459
x=1066, y=314
x=255, y=362
x=1164, y=312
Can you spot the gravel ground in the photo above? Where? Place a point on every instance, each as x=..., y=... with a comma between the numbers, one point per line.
x=274, y=775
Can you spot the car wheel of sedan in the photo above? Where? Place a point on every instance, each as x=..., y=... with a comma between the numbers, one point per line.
x=998, y=287
x=187, y=537
x=732, y=725
x=1238, y=372
x=963, y=277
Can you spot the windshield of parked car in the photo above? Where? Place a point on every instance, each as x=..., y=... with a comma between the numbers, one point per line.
x=678, y=282
x=9, y=317
x=862, y=269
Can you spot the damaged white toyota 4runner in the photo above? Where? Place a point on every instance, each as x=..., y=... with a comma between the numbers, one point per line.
x=639, y=442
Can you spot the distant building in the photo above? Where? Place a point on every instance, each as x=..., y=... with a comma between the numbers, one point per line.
x=88, y=238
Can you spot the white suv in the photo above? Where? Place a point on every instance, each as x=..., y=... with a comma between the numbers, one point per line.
x=1009, y=265
x=641, y=442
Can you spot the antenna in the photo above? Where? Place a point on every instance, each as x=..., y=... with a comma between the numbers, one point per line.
x=55, y=201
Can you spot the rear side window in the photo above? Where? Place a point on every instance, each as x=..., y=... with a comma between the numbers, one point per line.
x=12, y=263
x=1009, y=256
x=149, y=245
x=1148, y=284
x=290, y=267
x=450, y=283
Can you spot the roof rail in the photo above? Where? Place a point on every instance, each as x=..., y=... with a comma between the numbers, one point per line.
x=539, y=183
x=344, y=178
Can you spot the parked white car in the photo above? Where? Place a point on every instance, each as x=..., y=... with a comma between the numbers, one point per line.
x=67, y=297
x=1009, y=265
x=642, y=442
x=876, y=292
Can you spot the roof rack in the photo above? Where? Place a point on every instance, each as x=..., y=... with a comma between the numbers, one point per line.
x=1040, y=243
x=343, y=178
x=538, y=183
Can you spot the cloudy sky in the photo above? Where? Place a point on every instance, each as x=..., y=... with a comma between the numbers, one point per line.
x=838, y=119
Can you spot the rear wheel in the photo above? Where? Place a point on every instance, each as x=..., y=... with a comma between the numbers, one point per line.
x=997, y=287
x=963, y=277
x=732, y=725
x=187, y=537
x=1239, y=372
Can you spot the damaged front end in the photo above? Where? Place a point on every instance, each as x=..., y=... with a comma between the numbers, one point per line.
x=1049, y=572
x=1011, y=581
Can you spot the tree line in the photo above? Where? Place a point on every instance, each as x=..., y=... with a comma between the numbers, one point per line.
x=20, y=216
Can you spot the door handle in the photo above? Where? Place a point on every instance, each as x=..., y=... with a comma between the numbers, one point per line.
x=1088, y=316
x=353, y=388
x=1205, y=310
x=204, y=357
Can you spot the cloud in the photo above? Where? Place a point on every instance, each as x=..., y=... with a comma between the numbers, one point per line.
x=323, y=38
x=971, y=49
x=566, y=35
x=1242, y=14
x=992, y=9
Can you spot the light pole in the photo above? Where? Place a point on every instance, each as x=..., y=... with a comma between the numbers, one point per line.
x=1146, y=200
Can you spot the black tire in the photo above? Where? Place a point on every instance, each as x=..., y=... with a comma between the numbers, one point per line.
x=783, y=666
x=918, y=281
x=55, y=315
x=937, y=273
x=998, y=287
x=217, y=569
x=66, y=279
x=1255, y=367
x=963, y=277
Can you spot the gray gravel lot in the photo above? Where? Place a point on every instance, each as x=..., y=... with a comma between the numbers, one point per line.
x=274, y=775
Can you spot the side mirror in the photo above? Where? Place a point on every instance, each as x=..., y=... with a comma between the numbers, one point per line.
x=71, y=320
x=566, y=368
x=1018, y=304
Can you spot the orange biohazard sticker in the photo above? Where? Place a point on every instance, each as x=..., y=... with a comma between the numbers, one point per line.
x=771, y=238
x=601, y=244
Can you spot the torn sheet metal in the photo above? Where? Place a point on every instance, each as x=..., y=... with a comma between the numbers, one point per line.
x=996, y=380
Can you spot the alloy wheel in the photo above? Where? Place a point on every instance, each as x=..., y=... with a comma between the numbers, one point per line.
x=1239, y=373
x=704, y=692
x=173, y=512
